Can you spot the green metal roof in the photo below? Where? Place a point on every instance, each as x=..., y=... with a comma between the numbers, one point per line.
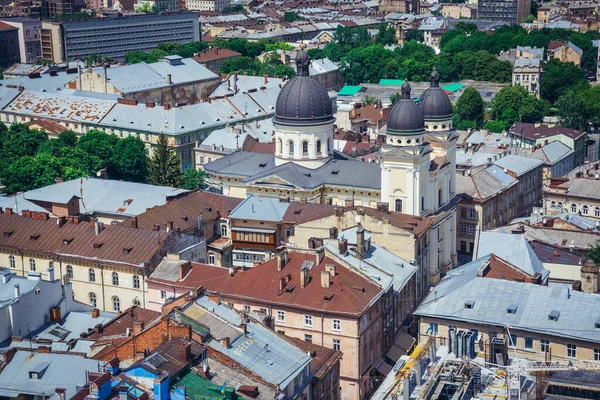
x=453, y=87
x=198, y=388
x=398, y=82
x=349, y=90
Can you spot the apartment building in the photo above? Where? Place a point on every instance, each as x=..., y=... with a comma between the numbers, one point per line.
x=213, y=57
x=527, y=72
x=579, y=195
x=529, y=173
x=30, y=49
x=9, y=45
x=206, y=5
x=565, y=51
x=458, y=11
x=511, y=11
x=116, y=36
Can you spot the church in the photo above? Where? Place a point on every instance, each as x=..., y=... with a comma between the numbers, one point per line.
x=416, y=174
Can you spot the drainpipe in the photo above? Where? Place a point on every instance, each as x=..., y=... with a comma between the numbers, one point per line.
x=322, y=329
x=102, y=283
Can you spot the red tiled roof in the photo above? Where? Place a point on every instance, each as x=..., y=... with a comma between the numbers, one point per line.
x=298, y=213
x=360, y=148
x=323, y=358
x=4, y=26
x=349, y=292
x=118, y=325
x=215, y=53
x=185, y=210
x=266, y=148
x=50, y=126
x=370, y=113
x=208, y=276
x=115, y=244
x=555, y=44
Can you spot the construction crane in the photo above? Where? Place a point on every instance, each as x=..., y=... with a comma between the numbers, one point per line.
x=416, y=356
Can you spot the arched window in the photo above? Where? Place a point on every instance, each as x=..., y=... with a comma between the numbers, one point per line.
x=597, y=212
x=92, y=275
x=223, y=230
x=291, y=147
x=319, y=147
x=553, y=204
x=585, y=210
x=328, y=145
x=11, y=262
x=560, y=204
x=279, y=146
x=398, y=205
x=573, y=208
x=116, y=303
x=305, y=149
x=69, y=272
x=93, y=301
x=115, y=279
x=31, y=264
x=136, y=282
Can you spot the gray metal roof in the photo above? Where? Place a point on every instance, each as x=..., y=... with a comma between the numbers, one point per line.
x=245, y=83
x=105, y=196
x=534, y=304
x=537, y=52
x=260, y=208
x=555, y=152
x=62, y=371
x=512, y=248
x=583, y=187
x=72, y=325
x=45, y=83
x=517, y=164
x=528, y=63
x=7, y=290
x=484, y=184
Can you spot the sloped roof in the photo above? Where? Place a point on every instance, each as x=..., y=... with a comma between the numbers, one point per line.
x=208, y=276
x=518, y=164
x=260, y=208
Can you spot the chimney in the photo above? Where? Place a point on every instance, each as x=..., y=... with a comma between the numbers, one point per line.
x=98, y=328
x=5, y=274
x=105, y=80
x=8, y=211
x=244, y=328
x=330, y=268
x=51, y=273
x=8, y=354
x=58, y=180
x=235, y=81
x=169, y=81
x=555, y=253
x=320, y=254
x=186, y=352
x=95, y=313
x=167, y=106
x=225, y=342
x=134, y=222
x=44, y=350
x=265, y=79
x=156, y=227
x=281, y=284
x=304, y=278
x=282, y=259
x=325, y=279
x=360, y=240
x=138, y=327
x=60, y=221
x=17, y=291
x=169, y=226
x=576, y=286
x=343, y=246
x=98, y=227
x=55, y=314
x=79, y=77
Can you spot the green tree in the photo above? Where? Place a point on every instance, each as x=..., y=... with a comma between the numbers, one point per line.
x=591, y=98
x=594, y=253
x=193, y=179
x=146, y=8
x=68, y=138
x=572, y=111
x=281, y=45
x=414, y=34
x=530, y=18
x=509, y=97
x=470, y=106
x=291, y=16
x=241, y=64
x=164, y=164
x=386, y=35
x=21, y=141
x=99, y=144
x=395, y=97
x=237, y=8
x=129, y=161
x=559, y=77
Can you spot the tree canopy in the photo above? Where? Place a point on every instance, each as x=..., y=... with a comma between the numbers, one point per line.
x=514, y=103
x=469, y=109
x=164, y=164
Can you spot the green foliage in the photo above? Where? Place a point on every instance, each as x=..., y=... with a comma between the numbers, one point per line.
x=395, y=97
x=371, y=100
x=237, y=8
x=96, y=59
x=414, y=34
x=129, y=161
x=146, y=8
x=530, y=18
x=185, y=50
x=164, y=164
x=594, y=253
x=571, y=110
x=68, y=138
x=193, y=179
x=533, y=8
x=470, y=107
x=78, y=15
x=291, y=16
x=278, y=46
x=497, y=126
x=513, y=104
x=386, y=35
x=559, y=77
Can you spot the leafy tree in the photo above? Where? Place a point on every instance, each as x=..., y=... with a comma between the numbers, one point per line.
x=591, y=98
x=68, y=138
x=316, y=54
x=99, y=144
x=281, y=45
x=146, y=8
x=291, y=16
x=414, y=34
x=371, y=100
x=21, y=141
x=241, y=64
x=129, y=161
x=284, y=70
x=395, y=97
x=164, y=164
x=559, y=77
x=467, y=27
x=193, y=179
x=594, y=253
x=571, y=110
x=509, y=97
x=470, y=106
x=530, y=18
x=533, y=8
x=497, y=126
x=237, y=8
x=386, y=35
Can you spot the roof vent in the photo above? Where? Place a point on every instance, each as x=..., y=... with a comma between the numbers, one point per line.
x=335, y=172
x=35, y=236
x=512, y=309
x=290, y=288
x=67, y=241
x=553, y=316
x=8, y=233
x=98, y=245
x=469, y=304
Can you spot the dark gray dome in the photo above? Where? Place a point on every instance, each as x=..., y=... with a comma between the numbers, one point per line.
x=303, y=100
x=406, y=117
x=434, y=102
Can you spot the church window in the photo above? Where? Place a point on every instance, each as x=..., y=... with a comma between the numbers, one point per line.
x=398, y=205
x=304, y=149
x=408, y=141
x=328, y=145
x=291, y=147
x=440, y=197
x=318, y=147
x=417, y=141
x=280, y=146
x=399, y=141
x=422, y=203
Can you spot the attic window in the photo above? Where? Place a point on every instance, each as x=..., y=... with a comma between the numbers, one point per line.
x=262, y=165
x=184, y=218
x=469, y=304
x=512, y=309
x=553, y=316
x=297, y=211
x=597, y=324
x=98, y=245
x=328, y=297
x=290, y=288
x=335, y=172
x=127, y=250
x=127, y=202
x=8, y=233
x=67, y=241
x=35, y=236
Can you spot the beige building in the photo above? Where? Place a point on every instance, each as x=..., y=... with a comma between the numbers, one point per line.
x=565, y=51
x=206, y=5
x=527, y=72
x=535, y=322
x=580, y=195
x=458, y=11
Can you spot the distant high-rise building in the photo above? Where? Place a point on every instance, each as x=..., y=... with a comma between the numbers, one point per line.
x=116, y=36
x=512, y=11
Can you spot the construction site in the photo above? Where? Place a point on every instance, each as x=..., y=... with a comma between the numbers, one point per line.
x=458, y=372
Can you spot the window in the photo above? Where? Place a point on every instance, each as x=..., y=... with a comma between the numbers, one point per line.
x=69, y=272
x=440, y=197
x=11, y=262
x=512, y=340
x=93, y=301
x=280, y=316
x=364, y=320
x=92, y=275
x=597, y=212
x=211, y=258
x=463, y=229
x=528, y=343
x=571, y=351
x=246, y=308
x=573, y=208
x=304, y=149
x=472, y=230
x=544, y=345
x=116, y=303
x=280, y=146
x=291, y=147
x=472, y=214
x=318, y=147
x=115, y=279
x=398, y=205
x=163, y=294
x=336, y=325
x=31, y=264
x=224, y=230
x=585, y=210
x=596, y=354
x=337, y=345
x=422, y=203
x=136, y=282
x=308, y=338
x=308, y=320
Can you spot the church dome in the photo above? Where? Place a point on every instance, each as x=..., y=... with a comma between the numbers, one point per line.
x=434, y=102
x=303, y=100
x=406, y=117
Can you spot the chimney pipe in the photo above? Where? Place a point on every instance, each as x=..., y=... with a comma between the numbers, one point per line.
x=325, y=279
x=98, y=227
x=51, y=273
x=17, y=291
x=169, y=81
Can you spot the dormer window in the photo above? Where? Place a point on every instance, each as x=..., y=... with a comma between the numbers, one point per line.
x=469, y=304
x=553, y=316
x=98, y=245
x=35, y=236
x=127, y=250
x=8, y=233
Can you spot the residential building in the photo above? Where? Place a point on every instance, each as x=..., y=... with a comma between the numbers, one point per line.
x=400, y=6
x=363, y=119
x=565, y=51
x=527, y=72
x=206, y=5
x=577, y=195
x=558, y=160
x=417, y=149
x=511, y=11
x=116, y=36
x=9, y=45
x=536, y=322
x=30, y=49
x=173, y=81
x=107, y=266
x=458, y=11
x=159, y=5
x=214, y=57
x=529, y=173
x=526, y=135
x=328, y=73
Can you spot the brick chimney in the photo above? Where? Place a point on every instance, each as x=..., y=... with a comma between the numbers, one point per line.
x=343, y=246
x=186, y=352
x=134, y=222
x=325, y=279
x=184, y=269
x=138, y=327
x=282, y=259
